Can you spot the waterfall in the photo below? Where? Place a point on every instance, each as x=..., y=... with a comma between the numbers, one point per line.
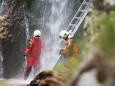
x=26, y=26
x=57, y=19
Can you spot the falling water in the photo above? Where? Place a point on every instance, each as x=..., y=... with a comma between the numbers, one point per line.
x=59, y=15
x=26, y=25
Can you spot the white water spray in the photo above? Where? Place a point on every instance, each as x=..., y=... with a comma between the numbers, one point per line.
x=26, y=25
x=59, y=15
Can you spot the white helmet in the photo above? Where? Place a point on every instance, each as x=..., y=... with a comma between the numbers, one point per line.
x=64, y=34
x=37, y=33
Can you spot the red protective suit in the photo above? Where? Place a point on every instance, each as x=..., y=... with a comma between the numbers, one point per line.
x=33, y=51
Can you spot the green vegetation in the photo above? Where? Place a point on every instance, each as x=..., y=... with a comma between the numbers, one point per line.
x=100, y=35
x=103, y=29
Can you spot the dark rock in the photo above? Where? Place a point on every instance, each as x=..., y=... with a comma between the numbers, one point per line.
x=47, y=78
x=12, y=38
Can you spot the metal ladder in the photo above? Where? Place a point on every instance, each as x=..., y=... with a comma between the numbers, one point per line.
x=72, y=28
x=78, y=18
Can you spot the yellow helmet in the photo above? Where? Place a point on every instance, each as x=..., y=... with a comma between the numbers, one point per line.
x=64, y=34
x=37, y=33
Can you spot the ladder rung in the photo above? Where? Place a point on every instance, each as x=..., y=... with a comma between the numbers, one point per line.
x=75, y=21
x=73, y=25
x=78, y=17
x=82, y=10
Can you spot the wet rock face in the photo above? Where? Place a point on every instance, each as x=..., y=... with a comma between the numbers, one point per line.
x=4, y=33
x=12, y=38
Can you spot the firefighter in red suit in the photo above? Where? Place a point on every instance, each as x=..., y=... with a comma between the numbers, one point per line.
x=32, y=53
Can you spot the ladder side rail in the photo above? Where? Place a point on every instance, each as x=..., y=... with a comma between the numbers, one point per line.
x=77, y=18
x=75, y=15
x=77, y=26
x=72, y=30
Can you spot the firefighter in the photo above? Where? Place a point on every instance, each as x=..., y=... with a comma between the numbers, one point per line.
x=32, y=53
x=65, y=35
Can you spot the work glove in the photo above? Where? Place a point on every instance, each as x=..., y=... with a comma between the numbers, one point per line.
x=61, y=51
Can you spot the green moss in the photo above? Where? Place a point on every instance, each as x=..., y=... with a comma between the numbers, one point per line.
x=106, y=33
